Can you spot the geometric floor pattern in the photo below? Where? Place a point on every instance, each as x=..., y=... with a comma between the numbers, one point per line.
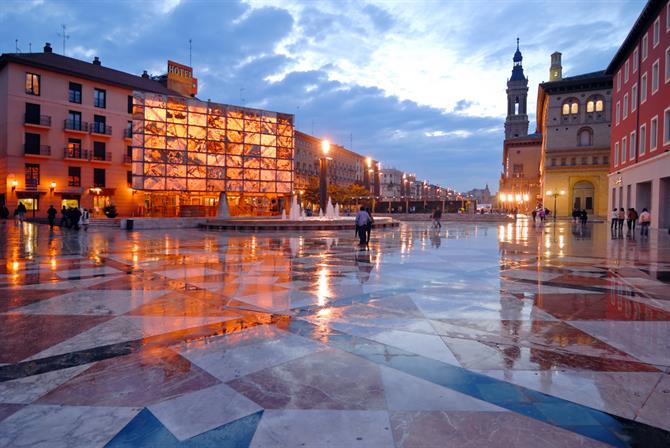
x=476, y=335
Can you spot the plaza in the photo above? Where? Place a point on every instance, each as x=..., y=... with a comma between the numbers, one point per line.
x=480, y=334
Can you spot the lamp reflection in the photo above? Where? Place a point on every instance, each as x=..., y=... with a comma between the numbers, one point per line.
x=323, y=287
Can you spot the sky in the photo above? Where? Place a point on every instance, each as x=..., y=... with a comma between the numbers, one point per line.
x=418, y=85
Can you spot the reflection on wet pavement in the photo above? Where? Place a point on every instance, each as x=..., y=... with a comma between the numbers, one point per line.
x=524, y=335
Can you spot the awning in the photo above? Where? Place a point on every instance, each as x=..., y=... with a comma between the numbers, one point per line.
x=28, y=194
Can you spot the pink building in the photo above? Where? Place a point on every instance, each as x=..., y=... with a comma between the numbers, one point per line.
x=639, y=174
x=65, y=133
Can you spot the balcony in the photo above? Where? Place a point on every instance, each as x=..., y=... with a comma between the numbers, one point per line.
x=75, y=154
x=42, y=121
x=76, y=126
x=101, y=156
x=37, y=150
x=101, y=129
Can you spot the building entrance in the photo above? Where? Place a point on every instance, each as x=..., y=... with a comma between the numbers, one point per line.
x=582, y=196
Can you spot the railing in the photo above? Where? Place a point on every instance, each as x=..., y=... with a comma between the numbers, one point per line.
x=102, y=157
x=75, y=125
x=40, y=120
x=37, y=150
x=101, y=128
x=76, y=153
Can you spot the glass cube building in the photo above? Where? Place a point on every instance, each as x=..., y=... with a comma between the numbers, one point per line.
x=184, y=145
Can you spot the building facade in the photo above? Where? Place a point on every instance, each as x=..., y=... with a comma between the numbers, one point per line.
x=391, y=186
x=65, y=133
x=639, y=170
x=574, y=116
x=520, y=182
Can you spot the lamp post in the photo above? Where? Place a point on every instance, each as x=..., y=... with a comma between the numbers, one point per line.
x=555, y=194
x=323, y=178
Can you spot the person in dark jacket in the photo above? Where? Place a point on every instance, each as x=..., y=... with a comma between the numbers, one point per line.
x=51, y=216
x=368, y=228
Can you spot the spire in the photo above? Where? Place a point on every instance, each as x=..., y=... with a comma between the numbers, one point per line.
x=517, y=70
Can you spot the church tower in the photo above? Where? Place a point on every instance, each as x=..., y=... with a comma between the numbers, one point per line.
x=556, y=69
x=516, y=124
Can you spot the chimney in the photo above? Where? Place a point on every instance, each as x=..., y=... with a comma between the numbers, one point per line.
x=96, y=61
x=145, y=75
x=47, y=48
x=556, y=69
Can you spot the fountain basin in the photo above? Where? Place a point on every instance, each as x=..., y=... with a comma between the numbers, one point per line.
x=278, y=224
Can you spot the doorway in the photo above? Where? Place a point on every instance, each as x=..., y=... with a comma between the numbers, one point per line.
x=582, y=196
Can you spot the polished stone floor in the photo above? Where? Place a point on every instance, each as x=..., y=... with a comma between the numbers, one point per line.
x=476, y=335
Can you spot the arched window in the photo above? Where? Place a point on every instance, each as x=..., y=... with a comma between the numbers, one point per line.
x=600, y=105
x=570, y=106
x=585, y=137
x=590, y=106
x=595, y=103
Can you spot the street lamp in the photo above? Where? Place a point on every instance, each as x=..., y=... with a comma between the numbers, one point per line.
x=555, y=194
x=323, y=178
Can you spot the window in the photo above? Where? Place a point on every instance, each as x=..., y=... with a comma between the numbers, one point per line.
x=594, y=161
x=643, y=88
x=73, y=148
x=642, y=147
x=624, y=142
x=566, y=109
x=570, y=106
x=626, y=71
x=30, y=203
x=130, y=104
x=98, y=177
x=32, y=113
x=129, y=178
x=636, y=59
x=74, y=120
x=574, y=108
x=667, y=62
x=633, y=98
x=99, y=98
x=600, y=105
x=667, y=19
x=653, y=133
x=633, y=142
x=618, y=81
x=616, y=153
x=32, y=84
x=625, y=105
x=73, y=176
x=32, y=175
x=590, y=106
x=654, y=77
x=99, y=124
x=74, y=95
x=645, y=42
x=618, y=113
x=656, y=37
x=99, y=150
x=666, y=127
x=32, y=145
x=585, y=137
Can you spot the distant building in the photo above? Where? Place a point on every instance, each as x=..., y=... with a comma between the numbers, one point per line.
x=520, y=182
x=573, y=116
x=639, y=169
x=391, y=185
x=481, y=195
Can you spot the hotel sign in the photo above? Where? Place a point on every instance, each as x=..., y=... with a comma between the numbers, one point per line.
x=180, y=79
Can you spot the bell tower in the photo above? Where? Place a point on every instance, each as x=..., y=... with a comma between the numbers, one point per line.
x=556, y=69
x=516, y=124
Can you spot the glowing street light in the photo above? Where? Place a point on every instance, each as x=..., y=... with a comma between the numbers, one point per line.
x=555, y=194
x=325, y=147
x=323, y=178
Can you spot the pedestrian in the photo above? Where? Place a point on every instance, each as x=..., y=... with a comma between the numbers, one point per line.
x=4, y=212
x=583, y=216
x=368, y=228
x=362, y=220
x=437, y=215
x=534, y=215
x=74, y=218
x=542, y=214
x=21, y=211
x=85, y=219
x=615, y=220
x=645, y=220
x=63, y=217
x=51, y=216
x=621, y=218
x=632, y=219
x=576, y=214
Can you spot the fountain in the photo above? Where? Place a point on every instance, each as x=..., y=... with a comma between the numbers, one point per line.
x=320, y=214
x=283, y=215
x=337, y=211
x=330, y=211
x=295, y=213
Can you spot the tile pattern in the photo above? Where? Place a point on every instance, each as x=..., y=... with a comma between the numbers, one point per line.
x=475, y=336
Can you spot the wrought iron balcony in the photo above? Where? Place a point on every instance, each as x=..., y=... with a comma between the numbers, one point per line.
x=76, y=153
x=75, y=125
x=101, y=156
x=38, y=120
x=37, y=150
x=101, y=128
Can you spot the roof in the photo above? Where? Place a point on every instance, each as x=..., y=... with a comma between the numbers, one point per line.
x=644, y=20
x=587, y=81
x=87, y=70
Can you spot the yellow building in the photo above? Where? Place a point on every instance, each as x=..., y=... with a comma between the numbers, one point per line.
x=574, y=116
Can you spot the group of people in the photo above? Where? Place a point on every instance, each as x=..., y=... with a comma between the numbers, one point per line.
x=580, y=216
x=539, y=212
x=364, y=221
x=631, y=217
x=71, y=218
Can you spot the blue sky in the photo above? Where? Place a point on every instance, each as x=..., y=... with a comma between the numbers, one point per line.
x=419, y=85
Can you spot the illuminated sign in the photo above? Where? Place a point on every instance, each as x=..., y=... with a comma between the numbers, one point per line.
x=180, y=79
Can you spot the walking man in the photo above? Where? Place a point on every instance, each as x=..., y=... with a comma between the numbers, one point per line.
x=645, y=220
x=362, y=220
x=51, y=216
